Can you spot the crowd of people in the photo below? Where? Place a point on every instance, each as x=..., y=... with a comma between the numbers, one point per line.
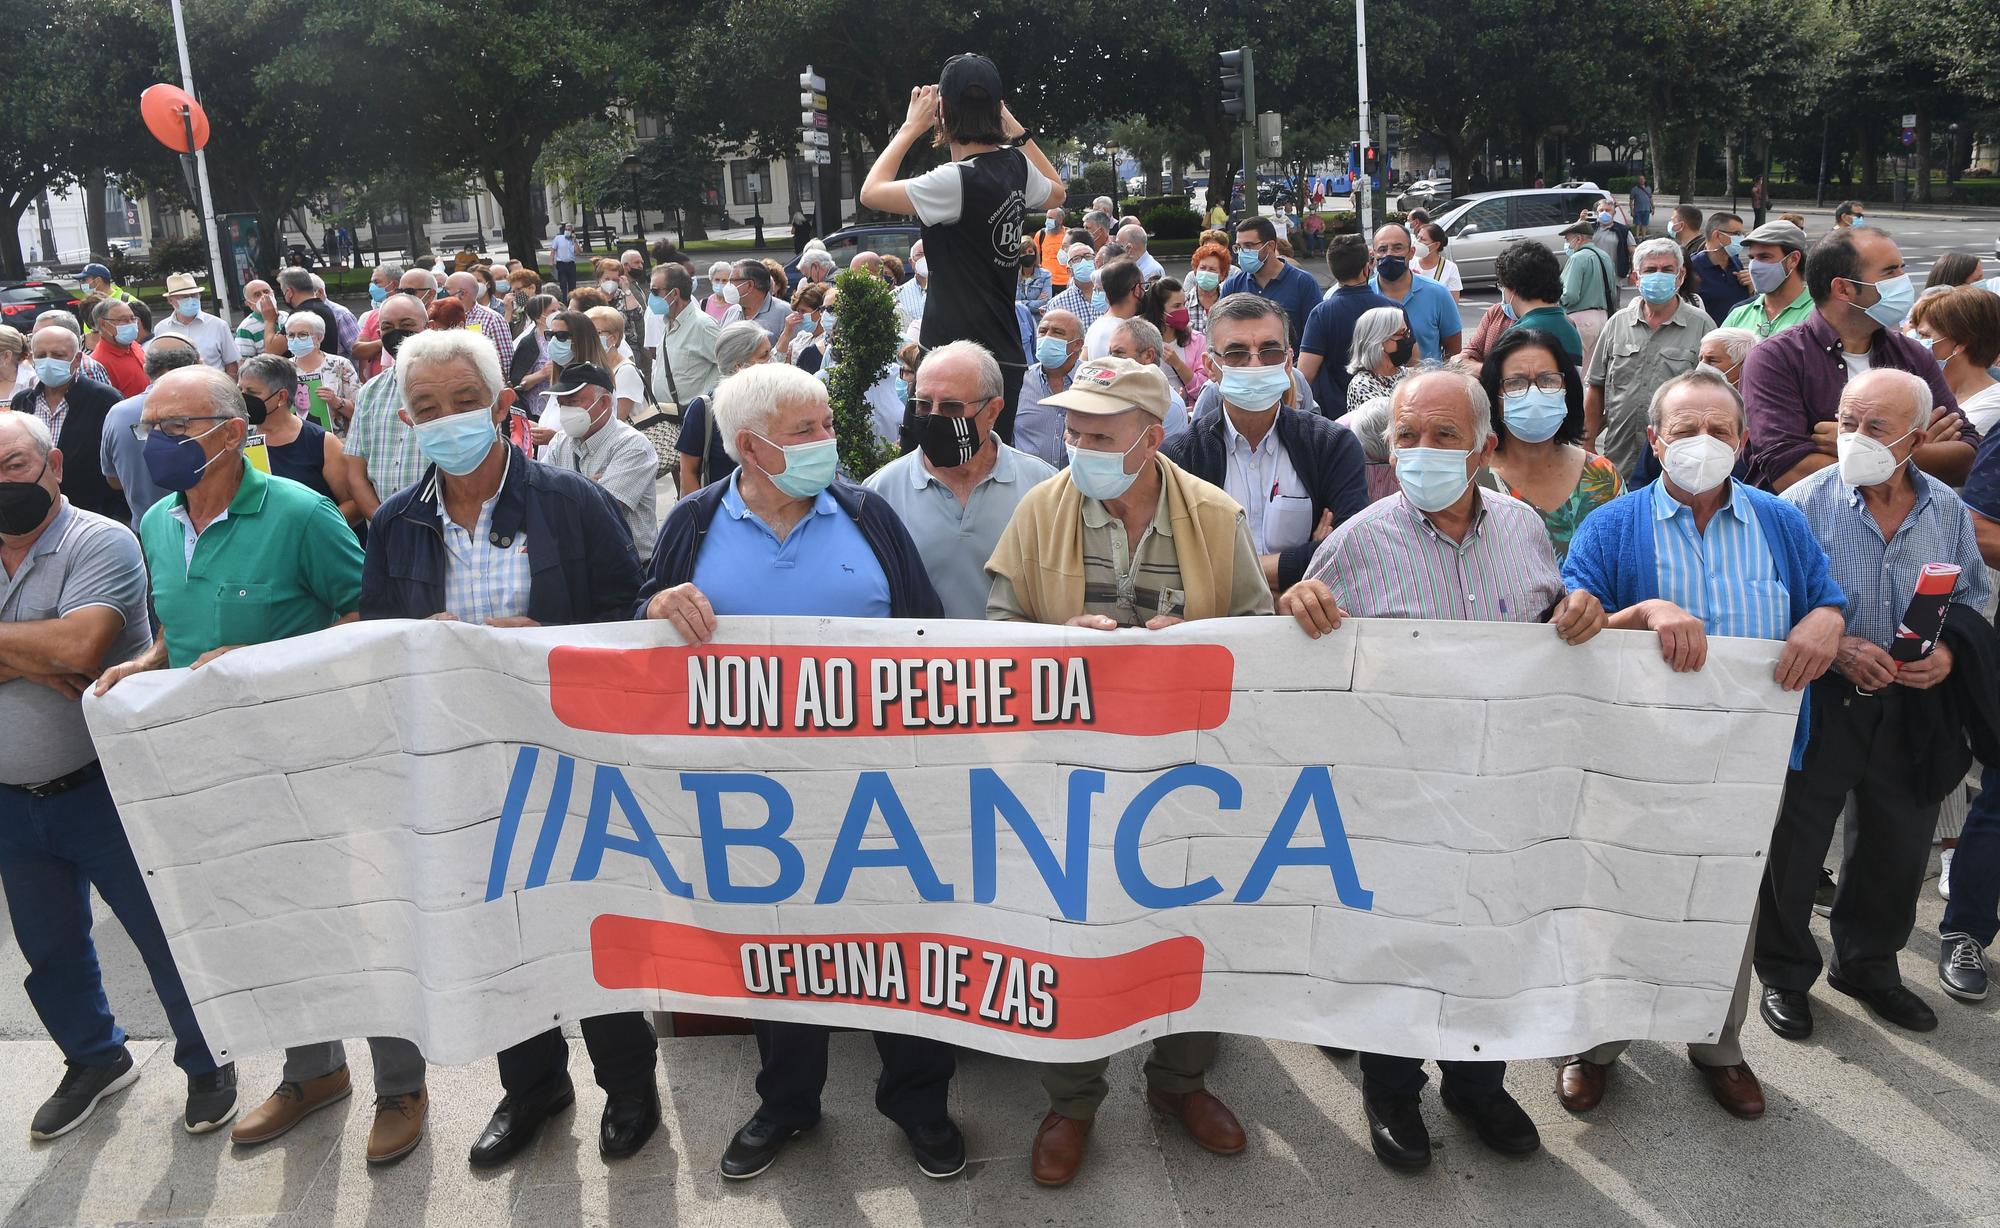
x=1085, y=441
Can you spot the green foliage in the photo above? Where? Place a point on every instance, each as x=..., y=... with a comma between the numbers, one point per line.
x=1175, y=221
x=1099, y=180
x=865, y=341
x=1076, y=198
x=182, y=256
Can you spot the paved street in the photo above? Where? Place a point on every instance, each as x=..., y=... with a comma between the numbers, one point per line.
x=1867, y=1127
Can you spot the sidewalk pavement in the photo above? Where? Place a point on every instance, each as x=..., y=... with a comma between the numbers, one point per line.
x=1867, y=1126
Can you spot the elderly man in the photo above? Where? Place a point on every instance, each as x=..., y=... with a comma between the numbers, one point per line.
x=224, y=529
x=1038, y=426
x=1133, y=239
x=1431, y=311
x=297, y=287
x=208, y=333
x=684, y=360
x=1261, y=271
x=959, y=489
x=367, y=348
x=422, y=284
x=380, y=449
x=816, y=265
x=913, y=294
x=86, y=366
x=465, y=288
x=1696, y=554
x=750, y=297
x=74, y=409
x=1643, y=345
x=445, y=548
x=1295, y=474
x=1793, y=382
x=1050, y=242
x=261, y=322
x=120, y=455
x=72, y=599
x=1881, y=519
x=1125, y=538
x=783, y=536
x=1083, y=299
x=1443, y=547
x=1097, y=223
x=595, y=443
x=116, y=328
x=1136, y=339
x=1774, y=254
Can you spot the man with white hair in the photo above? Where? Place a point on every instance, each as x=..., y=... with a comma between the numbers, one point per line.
x=912, y=294
x=86, y=366
x=1132, y=237
x=1097, y=224
x=1644, y=344
x=956, y=492
x=1697, y=554
x=1882, y=520
x=1443, y=547
x=296, y=285
x=465, y=288
x=74, y=407
x=225, y=528
x=816, y=265
x=784, y=536
x=1083, y=299
x=1136, y=339
x=186, y=319
x=75, y=600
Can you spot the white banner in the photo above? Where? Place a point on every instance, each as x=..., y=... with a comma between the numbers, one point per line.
x=1456, y=840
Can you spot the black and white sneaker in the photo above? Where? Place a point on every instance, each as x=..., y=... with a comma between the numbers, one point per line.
x=1962, y=968
x=77, y=1096
x=211, y=1102
x=1824, y=893
x=940, y=1148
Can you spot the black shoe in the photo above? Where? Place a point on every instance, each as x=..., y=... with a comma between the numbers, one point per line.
x=77, y=1096
x=1788, y=1012
x=940, y=1148
x=629, y=1120
x=211, y=1101
x=755, y=1146
x=1962, y=968
x=1824, y=893
x=1397, y=1132
x=518, y=1119
x=1892, y=1003
x=1500, y=1121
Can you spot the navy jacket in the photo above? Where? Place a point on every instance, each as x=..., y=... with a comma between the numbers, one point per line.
x=579, y=550
x=83, y=427
x=910, y=591
x=1328, y=459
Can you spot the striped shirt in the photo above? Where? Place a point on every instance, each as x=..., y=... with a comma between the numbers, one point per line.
x=1880, y=576
x=485, y=576
x=379, y=437
x=1389, y=561
x=494, y=326
x=1724, y=576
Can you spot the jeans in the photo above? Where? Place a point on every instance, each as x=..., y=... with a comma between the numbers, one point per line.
x=1974, y=908
x=53, y=850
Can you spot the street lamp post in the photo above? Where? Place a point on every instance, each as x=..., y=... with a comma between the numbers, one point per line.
x=638, y=208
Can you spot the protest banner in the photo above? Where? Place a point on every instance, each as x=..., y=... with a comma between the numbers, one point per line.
x=1457, y=840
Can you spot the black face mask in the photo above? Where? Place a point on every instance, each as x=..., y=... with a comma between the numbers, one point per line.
x=1391, y=268
x=947, y=443
x=393, y=339
x=257, y=409
x=1400, y=355
x=24, y=504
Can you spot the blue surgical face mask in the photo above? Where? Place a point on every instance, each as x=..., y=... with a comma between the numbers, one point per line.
x=1250, y=259
x=1507, y=309
x=377, y=293
x=126, y=334
x=1051, y=352
x=457, y=443
x=1603, y=218
x=1101, y=475
x=300, y=346
x=1767, y=275
x=1432, y=478
x=561, y=351
x=1084, y=271
x=54, y=372
x=809, y=467
x=1255, y=388
x=1736, y=249
x=1049, y=226
x=1657, y=288
x=1534, y=416
x=811, y=321
x=188, y=308
x=1898, y=295
x=1098, y=302
x=658, y=305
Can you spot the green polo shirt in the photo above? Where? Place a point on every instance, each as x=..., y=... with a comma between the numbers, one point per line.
x=1750, y=315
x=279, y=562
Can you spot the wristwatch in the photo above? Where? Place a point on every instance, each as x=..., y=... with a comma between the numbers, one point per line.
x=1022, y=139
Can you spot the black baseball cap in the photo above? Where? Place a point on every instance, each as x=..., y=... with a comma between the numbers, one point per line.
x=965, y=72
x=578, y=374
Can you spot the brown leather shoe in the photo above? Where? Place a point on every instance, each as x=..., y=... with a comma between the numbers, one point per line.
x=399, y=1125
x=291, y=1104
x=1209, y=1121
x=1735, y=1088
x=1580, y=1086
x=1058, y=1152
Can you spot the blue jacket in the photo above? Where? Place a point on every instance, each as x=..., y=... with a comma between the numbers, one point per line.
x=1612, y=558
x=1327, y=458
x=910, y=591
x=580, y=554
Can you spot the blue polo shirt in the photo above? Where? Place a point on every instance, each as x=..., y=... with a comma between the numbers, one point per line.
x=1330, y=334
x=1432, y=314
x=1717, y=284
x=823, y=568
x=1293, y=288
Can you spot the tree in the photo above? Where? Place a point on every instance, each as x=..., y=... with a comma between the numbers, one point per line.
x=865, y=339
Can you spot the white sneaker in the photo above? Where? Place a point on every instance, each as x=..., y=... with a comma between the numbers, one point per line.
x=1944, y=873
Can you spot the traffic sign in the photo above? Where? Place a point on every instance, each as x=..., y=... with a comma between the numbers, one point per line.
x=823, y=157
x=753, y=183
x=819, y=139
x=819, y=120
x=1909, y=136
x=809, y=80
x=1909, y=121
x=813, y=100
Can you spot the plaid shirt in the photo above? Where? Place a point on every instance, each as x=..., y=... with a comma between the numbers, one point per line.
x=485, y=576
x=494, y=325
x=1077, y=304
x=52, y=414
x=1197, y=314
x=378, y=436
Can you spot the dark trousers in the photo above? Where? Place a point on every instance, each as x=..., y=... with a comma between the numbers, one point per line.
x=623, y=1052
x=1010, y=387
x=1857, y=747
x=53, y=850
x=1974, y=907
x=916, y=1075
x=1761, y=211
x=566, y=276
x=1401, y=1078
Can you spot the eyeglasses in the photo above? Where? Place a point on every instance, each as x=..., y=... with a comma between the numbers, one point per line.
x=1517, y=385
x=173, y=428
x=950, y=409
x=559, y=336
x=1243, y=356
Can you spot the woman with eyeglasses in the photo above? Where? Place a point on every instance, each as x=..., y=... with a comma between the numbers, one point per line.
x=1384, y=349
x=572, y=338
x=1537, y=402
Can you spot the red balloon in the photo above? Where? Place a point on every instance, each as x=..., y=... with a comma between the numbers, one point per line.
x=162, y=105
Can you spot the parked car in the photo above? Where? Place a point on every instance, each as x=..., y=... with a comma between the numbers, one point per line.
x=23, y=302
x=1479, y=226
x=1423, y=194
x=889, y=238
x=1579, y=185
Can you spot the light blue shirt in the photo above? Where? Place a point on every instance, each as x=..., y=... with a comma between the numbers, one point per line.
x=1725, y=576
x=486, y=576
x=120, y=454
x=823, y=568
x=1432, y=314
x=955, y=539
x=1038, y=431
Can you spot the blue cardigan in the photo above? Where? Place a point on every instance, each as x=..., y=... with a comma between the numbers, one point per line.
x=1612, y=558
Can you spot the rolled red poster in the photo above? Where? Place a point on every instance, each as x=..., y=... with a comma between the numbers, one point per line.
x=1917, y=634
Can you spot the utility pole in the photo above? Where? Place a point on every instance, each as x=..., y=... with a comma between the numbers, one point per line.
x=1366, y=190
x=1239, y=102
x=201, y=175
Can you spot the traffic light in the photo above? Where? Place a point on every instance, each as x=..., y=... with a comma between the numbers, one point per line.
x=1368, y=162
x=1238, y=85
